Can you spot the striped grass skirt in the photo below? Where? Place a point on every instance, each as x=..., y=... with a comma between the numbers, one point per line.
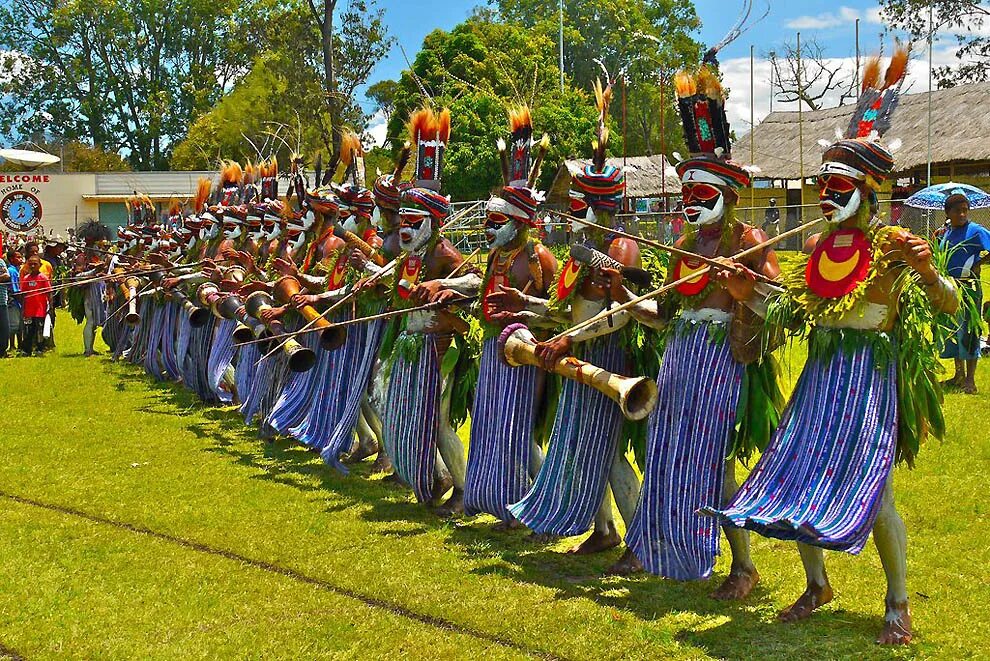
x=171, y=361
x=247, y=376
x=571, y=484
x=94, y=301
x=301, y=391
x=139, y=333
x=195, y=369
x=821, y=479
x=220, y=359
x=363, y=344
x=688, y=438
x=502, y=421
x=411, y=423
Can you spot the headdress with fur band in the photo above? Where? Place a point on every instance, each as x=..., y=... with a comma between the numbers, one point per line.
x=859, y=154
x=388, y=186
x=519, y=198
x=602, y=185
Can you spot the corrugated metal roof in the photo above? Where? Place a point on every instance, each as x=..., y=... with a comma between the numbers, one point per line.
x=149, y=183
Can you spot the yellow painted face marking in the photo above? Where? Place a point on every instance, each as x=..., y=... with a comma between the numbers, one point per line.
x=836, y=271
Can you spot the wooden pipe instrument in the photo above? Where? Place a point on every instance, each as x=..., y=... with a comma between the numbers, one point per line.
x=354, y=241
x=331, y=337
x=231, y=306
x=636, y=396
x=130, y=290
x=301, y=359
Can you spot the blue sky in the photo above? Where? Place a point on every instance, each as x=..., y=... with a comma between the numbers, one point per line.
x=832, y=24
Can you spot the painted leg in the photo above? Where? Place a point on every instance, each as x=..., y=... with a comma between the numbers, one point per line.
x=890, y=537
x=817, y=594
x=367, y=442
x=969, y=383
x=742, y=573
x=89, y=329
x=604, y=536
x=452, y=451
x=625, y=488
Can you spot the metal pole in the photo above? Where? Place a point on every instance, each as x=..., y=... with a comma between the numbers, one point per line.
x=663, y=156
x=773, y=59
x=561, y=36
x=752, y=128
x=928, y=177
x=800, y=127
x=857, y=59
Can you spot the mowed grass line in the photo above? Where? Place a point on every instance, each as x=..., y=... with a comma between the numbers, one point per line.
x=108, y=442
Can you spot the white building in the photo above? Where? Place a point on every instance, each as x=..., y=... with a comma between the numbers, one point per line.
x=54, y=202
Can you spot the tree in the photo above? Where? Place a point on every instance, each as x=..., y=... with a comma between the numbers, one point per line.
x=348, y=53
x=809, y=77
x=478, y=69
x=651, y=38
x=383, y=95
x=130, y=76
x=965, y=17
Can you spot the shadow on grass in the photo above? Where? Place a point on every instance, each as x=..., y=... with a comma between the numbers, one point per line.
x=727, y=630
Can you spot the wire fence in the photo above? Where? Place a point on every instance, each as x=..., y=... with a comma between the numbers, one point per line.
x=667, y=226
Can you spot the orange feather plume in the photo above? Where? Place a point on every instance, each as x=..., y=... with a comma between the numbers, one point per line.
x=350, y=146
x=202, y=194
x=174, y=208
x=897, y=68
x=709, y=84
x=428, y=125
x=871, y=73
x=443, y=125
x=519, y=117
x=684, y=84
x=231, y=172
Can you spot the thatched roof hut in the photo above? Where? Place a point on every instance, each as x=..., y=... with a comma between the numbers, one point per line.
x=960, y=133
x=642, y=177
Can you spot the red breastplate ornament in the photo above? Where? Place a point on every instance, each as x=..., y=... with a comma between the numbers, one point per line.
x=409, y=276
x=839, y=263
x=685, y=267
x=339, y=273
x=568, y=279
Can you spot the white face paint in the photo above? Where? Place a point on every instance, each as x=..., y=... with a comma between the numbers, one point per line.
x=501, y=235
x=412, y=240
x=212, y=228
x=297, y=243
x=836, y=214
x=233, y=231
x=698, y=214
x=308, y=219
x=274, y=231
x=257, y=234
x=350, y=224
x=577, y=226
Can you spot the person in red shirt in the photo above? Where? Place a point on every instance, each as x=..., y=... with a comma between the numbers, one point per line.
x=35, y=290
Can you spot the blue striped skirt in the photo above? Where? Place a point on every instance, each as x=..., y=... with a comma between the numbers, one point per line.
x=221, y=357
x=171, y=362
x=363, y=344
x=411, y=424
x=301, y=390
x=571, y=484
x=502, y=421
x=139, y=334
x=821, y=479
x=688, y=439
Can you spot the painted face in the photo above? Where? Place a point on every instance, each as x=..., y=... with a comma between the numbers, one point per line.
x=500, y=229
x=838, y=197
x=703, y=203
x=296, y=239
x=308, y=219
x=231, y=228
x=349, y=221
x=257, y=232
x=271, y=227
x=415, y=228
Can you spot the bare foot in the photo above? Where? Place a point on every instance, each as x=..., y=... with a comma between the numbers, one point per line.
x=954, y=382
x=896, y=626
x=627, y=565
x=506, y=526
x=454, y=505
x=383, y=463
x=598, y=541
x=737, y=585
x=360, y=453
x=440, y=487
x=969, y=388
x=813, y=598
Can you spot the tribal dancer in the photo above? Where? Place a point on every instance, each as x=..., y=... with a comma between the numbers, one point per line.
x=89, y=263
x=583, y=458
x=504, y=453
x=715, y=391
x=421, y=400
x=866, y=298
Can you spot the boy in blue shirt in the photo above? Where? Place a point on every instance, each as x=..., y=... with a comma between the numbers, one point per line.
x=969, y=244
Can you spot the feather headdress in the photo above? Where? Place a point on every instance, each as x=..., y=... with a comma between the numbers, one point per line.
x=430, y=132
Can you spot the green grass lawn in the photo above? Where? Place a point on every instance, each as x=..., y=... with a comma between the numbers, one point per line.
x=135, y=523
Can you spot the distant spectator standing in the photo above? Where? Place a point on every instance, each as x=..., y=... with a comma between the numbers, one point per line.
x=35, y=287
x=14, y=262
x=969, y=246
x=5, y=298
x=771, y=218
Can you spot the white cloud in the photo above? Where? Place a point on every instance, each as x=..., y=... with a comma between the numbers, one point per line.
x=827, y=20
x=377, y=129
x=735, y=73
